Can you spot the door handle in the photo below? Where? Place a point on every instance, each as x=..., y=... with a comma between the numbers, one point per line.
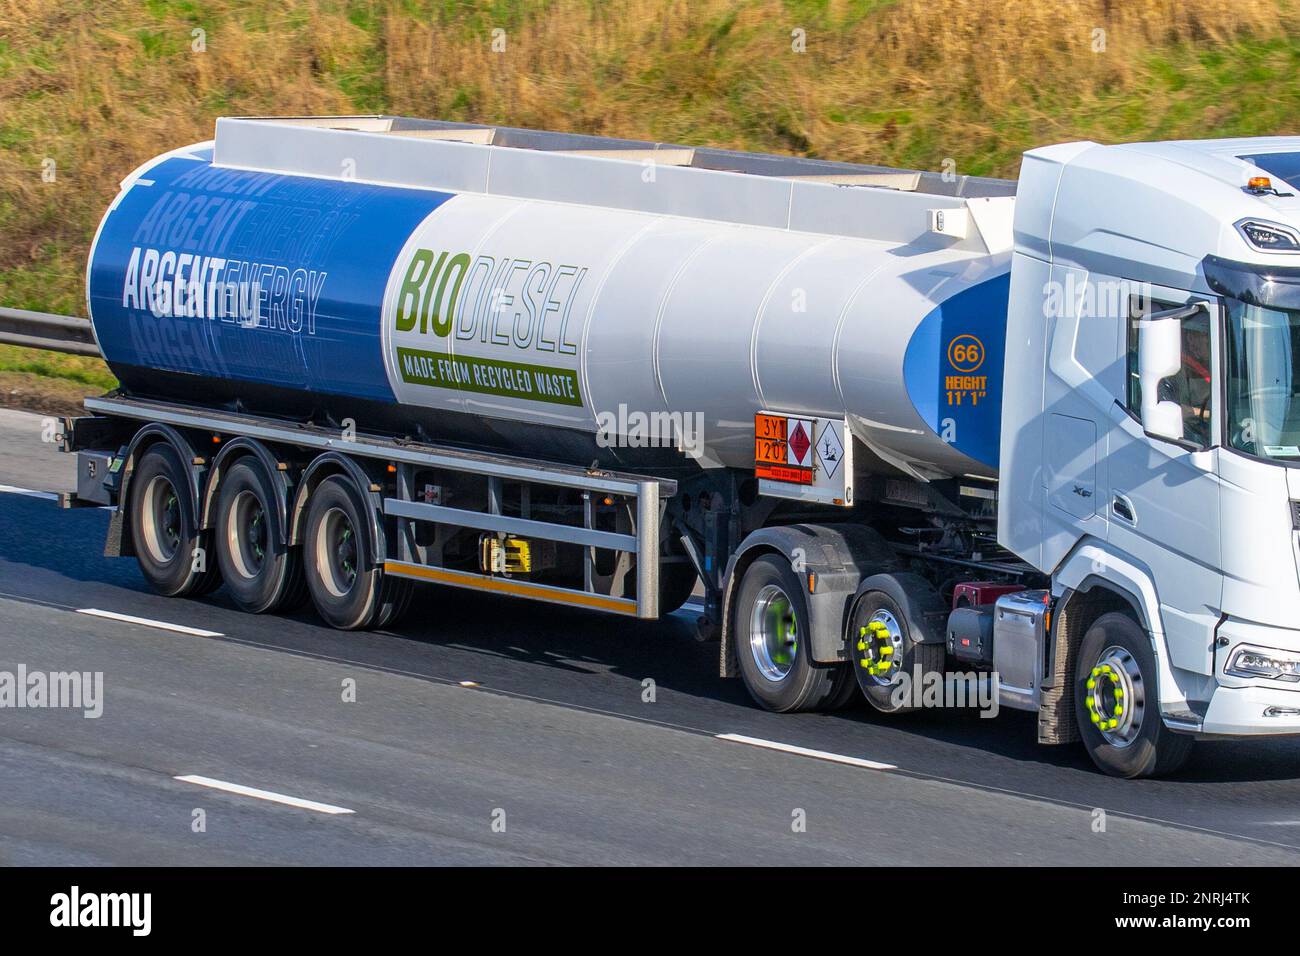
x=1123, y=509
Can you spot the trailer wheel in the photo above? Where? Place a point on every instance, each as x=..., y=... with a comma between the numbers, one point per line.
x=394, y=600
x=261, y=573
x=336, y=555
x=1116, y=703
x=772, y=645
x=882, y=640
x=169, y=548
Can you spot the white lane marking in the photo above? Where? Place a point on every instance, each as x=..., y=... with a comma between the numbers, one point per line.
x=805, y=752
x=29, y=492
x=47, y=496
x=146, y=622
x=256, y=794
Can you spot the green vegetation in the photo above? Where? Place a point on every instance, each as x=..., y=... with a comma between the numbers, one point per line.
x=71, y=368
x=98, y=86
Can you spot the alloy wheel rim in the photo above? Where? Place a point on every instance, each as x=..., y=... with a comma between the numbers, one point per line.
x=773, y=633
x=1115, y=696
x=880, y=648
x=247, y=535
x=161, y=516
x=336, y=552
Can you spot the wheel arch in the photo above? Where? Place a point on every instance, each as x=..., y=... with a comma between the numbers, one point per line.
x=835, y=557
x=232, y=452
x=119, y=541
x=910, y=591
x=336, y=463
x=1093, y=581
x=1093, y=566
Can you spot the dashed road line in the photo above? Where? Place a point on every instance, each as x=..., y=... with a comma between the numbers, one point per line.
x=48, y=496
x=267, y=795
x=148, y=622
x=29, y=492
x=806, y=752
x=926, y=776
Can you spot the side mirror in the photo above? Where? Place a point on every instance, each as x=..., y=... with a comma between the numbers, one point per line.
x=1160, y=355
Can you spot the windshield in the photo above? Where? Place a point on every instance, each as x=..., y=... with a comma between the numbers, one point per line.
x=1263, y=387
x=1285, y=166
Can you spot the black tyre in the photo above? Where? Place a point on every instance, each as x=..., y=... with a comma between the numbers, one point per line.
x=394, y=601
x=1117, y=704
x=884, y=633
x=170, y=550
x=845, y=691
x=346, y=587
x=772, y=644
x=261, y=572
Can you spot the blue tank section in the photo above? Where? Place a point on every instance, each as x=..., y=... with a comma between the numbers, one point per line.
x=250, y=277
x=953, y=368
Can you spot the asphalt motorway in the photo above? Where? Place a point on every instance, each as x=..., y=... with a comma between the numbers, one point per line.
x=491, y=731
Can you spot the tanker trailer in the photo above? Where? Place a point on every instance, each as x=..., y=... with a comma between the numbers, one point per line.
x=360, y=353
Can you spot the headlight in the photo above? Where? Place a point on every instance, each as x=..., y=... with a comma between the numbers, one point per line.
x=1250, y=661
x=1269, y=236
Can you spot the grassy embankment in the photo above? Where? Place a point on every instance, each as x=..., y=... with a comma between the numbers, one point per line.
x=97, y=86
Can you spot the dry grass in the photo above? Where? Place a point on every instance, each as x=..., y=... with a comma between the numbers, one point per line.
x=48, y=396
x=101, y=85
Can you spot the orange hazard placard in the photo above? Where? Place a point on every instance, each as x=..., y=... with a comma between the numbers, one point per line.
x=769, y=439
x=791, y=473
x=804, y=457
x=781, y=449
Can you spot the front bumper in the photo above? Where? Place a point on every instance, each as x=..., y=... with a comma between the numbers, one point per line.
x=1252, y=711
x=1252, y=706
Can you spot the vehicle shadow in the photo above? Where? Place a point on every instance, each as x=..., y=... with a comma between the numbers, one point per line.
x=584, y=643
x=595, y=660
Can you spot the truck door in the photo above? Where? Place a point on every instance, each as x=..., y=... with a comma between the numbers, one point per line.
x=1164, y=495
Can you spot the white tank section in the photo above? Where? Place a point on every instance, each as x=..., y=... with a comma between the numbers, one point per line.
x=659, y=314
x=562, y=282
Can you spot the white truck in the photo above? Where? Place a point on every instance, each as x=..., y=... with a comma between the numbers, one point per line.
x=894, y=424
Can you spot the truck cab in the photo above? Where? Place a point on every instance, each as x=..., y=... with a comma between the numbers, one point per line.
x=1150, y=441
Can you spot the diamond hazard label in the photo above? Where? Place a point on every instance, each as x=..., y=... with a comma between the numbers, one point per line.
x=799, y=443
x=804, y=459
x=830, y=449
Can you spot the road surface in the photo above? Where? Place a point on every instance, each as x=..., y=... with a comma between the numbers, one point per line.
x=488, y=731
